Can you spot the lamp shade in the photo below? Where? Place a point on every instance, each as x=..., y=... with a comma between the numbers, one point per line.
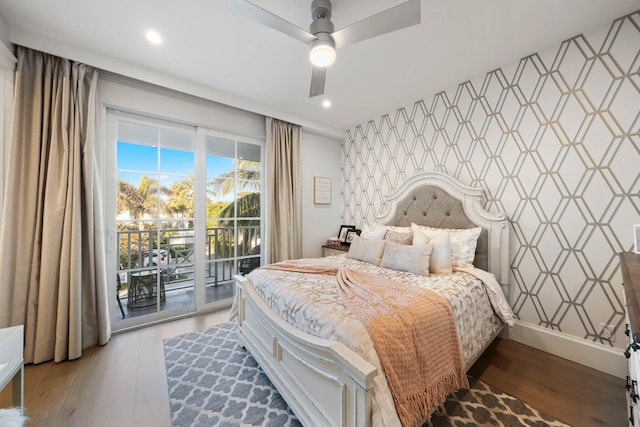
x=322, y=52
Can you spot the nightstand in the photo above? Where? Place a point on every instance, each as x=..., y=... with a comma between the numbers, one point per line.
x=11, y=362
x=328, y=250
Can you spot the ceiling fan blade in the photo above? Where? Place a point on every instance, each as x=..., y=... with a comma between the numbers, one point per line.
x=401, y=16
x=264, y=17
x=318, y=77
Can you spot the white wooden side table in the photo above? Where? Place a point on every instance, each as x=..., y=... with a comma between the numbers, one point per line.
x=328, y=250
x=12, y=362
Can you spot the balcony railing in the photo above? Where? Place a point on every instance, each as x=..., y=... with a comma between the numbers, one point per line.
x=227, y=250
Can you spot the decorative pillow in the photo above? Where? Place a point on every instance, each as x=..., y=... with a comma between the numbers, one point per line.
x=374, y=231
x=463, y=243
x=366, y=250
x=404, y=238
x=400, y=229
x=411, y=258
x=463, y=246
x=440, y=260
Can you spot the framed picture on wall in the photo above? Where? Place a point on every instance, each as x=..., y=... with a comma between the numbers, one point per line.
x=636, y=238
x=344, y=230
x=321, y=190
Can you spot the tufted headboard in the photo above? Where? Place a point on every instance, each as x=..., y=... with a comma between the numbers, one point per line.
x=431, y=206
x=437, y=200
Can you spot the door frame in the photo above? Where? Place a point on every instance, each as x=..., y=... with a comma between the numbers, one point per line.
x=111, y=115
x=201, y=220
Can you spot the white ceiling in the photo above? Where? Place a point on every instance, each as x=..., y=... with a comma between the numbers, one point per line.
x=211, y=52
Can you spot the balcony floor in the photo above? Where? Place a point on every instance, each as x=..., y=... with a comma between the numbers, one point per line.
x=177, y=297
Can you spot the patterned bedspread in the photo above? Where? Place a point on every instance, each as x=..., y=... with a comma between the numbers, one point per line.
x=312, y=304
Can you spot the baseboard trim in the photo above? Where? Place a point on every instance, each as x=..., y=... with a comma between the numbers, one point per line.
x=606, y=359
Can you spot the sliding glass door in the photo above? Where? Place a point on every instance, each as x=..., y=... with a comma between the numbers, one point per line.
x=186, y=216
x=233, y=211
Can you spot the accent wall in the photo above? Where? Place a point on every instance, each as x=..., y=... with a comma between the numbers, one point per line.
x=554, y=140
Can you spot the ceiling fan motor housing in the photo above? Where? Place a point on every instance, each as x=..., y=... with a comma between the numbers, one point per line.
x=323, y=48
x=321, y=15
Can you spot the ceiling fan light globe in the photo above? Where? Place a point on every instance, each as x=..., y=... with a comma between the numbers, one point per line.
x=322, y=55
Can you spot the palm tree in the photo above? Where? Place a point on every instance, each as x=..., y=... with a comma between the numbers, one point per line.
x=246, y=181
x=138, y=201
x=181, y=198
x=213, y=211
x=141, y=199
x=247, y=175
x=247, y=205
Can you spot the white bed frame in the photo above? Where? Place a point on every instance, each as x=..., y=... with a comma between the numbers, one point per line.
x=324, y=382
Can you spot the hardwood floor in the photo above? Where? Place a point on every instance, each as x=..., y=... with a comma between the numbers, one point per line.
x=124, y=384
x=571, y=392
x=120, y=384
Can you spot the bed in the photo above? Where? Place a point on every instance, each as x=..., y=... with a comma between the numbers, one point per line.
x=328, y=381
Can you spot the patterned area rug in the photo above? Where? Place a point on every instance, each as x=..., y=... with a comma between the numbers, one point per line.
x=214, y=382
x=483, y=405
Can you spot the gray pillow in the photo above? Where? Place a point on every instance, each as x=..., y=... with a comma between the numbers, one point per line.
x=411, y=258
x=404, y=238
x=366, y=250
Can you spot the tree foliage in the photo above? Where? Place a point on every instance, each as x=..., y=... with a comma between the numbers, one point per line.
x=180, y=200
x=141, y=199
x=246, y=175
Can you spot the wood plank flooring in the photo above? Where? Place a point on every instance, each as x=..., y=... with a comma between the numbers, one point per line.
x=571, y=392
x=124, y=383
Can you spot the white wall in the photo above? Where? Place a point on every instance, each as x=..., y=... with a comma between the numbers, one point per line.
x=321, y=156
x=4, y=32
x=137, y=96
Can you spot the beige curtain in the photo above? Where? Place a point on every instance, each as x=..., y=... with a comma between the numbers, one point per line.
x=51, y=236
x=284, y=207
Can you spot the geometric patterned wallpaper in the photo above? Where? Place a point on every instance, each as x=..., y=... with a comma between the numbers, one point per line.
x=554, y=141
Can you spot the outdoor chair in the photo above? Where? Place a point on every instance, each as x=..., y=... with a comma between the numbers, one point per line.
x=118, y=287
x=247, y=265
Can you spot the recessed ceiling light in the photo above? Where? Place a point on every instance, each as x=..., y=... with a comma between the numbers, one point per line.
x=326, y=103
x=153, y=37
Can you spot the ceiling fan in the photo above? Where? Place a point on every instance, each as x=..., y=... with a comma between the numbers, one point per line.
x=321, y=36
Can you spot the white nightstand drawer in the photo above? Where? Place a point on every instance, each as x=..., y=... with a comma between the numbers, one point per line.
x=10, y=353
x=328, y=250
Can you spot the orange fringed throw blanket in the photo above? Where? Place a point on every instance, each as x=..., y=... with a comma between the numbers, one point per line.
x=303, y=266
x=415, y=337
x=422, y=364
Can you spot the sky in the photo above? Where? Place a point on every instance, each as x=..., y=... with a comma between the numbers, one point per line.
x=135, y=161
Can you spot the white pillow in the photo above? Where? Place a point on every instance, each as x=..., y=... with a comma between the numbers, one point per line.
x=374, y=231
x=440, y=260
x=463, y=243
x=463, y=246
x=411, y=258
x=366, y=250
